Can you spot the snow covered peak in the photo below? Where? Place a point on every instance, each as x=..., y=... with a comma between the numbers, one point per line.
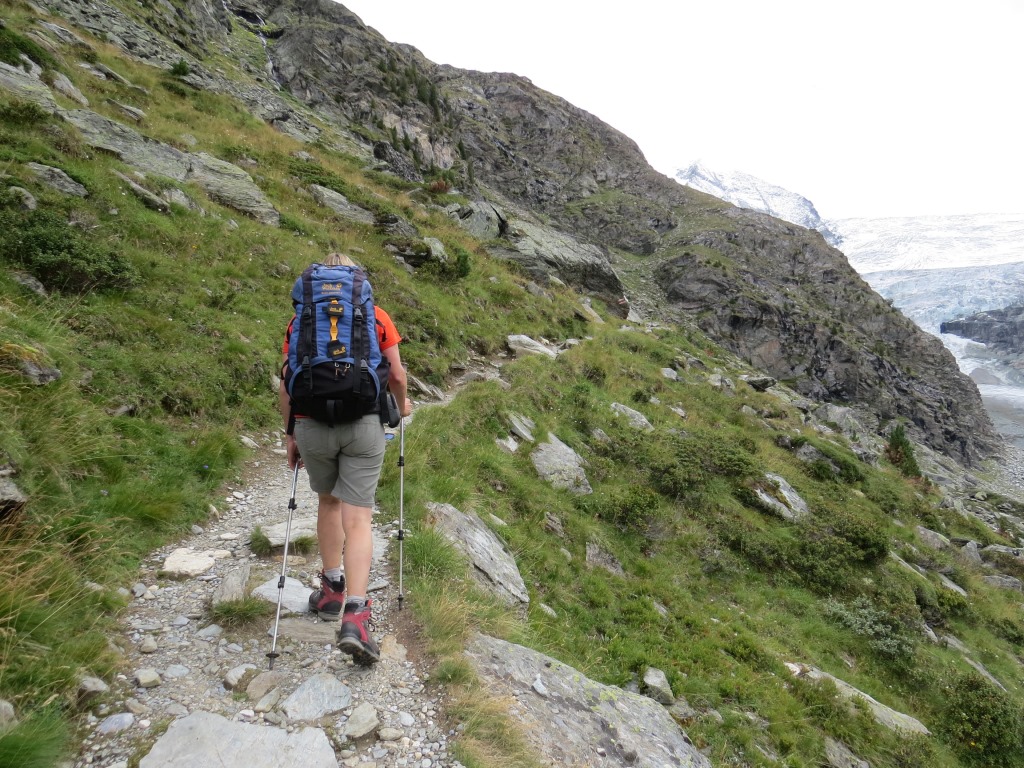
x=746, y=191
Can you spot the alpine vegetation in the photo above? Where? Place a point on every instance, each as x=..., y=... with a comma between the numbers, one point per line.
x=677, y=482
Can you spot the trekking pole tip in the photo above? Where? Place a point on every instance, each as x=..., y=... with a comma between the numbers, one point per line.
x=272, y=655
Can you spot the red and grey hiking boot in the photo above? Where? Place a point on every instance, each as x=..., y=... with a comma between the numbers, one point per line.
x=327, y=601
x=354, y=635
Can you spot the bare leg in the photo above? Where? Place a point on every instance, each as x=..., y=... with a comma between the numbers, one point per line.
x=358, y=546
x=330, y=532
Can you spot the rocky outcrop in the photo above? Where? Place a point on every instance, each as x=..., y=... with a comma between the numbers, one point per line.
x=186, y=34
x=27, y=88
x=1002, y=329
x=543, y=251
x=223, y=182
x=788, y=304
x=574, y=721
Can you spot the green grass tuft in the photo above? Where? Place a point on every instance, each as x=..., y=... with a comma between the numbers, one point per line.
x=235, y=613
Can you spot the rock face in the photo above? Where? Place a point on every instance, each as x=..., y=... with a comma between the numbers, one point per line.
x=574, y=721
x=831, y=339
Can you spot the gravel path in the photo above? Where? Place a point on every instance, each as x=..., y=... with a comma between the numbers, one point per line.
x=178, y=663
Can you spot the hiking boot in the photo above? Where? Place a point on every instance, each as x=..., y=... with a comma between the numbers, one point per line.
x=327, y=601
x=354, y=635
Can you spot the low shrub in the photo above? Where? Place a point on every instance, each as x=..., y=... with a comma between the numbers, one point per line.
x=981, y=723
x=13, y=45
x=884, y=632
x=20, y=112
x=630, y=509
x=58, y=255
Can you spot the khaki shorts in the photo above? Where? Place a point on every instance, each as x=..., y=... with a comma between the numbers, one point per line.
x=343, y=460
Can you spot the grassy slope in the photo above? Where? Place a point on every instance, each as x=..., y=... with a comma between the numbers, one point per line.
x=192, y=345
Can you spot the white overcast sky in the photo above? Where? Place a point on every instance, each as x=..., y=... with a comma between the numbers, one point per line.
x=867, y=108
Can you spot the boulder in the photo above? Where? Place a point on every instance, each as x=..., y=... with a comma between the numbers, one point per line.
x=656, y=686
x=362, y=722
x=571, y=720
x=636, y=419
x=480, y=219
x=782, y=499
x=56, y=179
x=890, y=718
x=493, y=566
x=524, y=345
x=340, y=204
x=203, y=738
x=522, y=427
x=28, y=200
x=561, y=466
x=599, y=558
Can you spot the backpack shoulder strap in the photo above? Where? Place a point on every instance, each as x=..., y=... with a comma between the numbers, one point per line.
x=360, y=347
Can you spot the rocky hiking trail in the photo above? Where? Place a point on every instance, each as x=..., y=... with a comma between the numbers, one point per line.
x=193, y=693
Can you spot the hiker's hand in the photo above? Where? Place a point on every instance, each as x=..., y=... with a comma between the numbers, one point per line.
x=293, y=453
x=407, y=407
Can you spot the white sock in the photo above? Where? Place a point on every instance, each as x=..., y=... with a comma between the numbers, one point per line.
x=334, y=574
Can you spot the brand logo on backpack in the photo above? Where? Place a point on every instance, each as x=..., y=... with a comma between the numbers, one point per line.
x=336, y=372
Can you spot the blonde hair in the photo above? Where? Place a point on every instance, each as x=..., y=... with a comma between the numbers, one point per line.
x=339, y=260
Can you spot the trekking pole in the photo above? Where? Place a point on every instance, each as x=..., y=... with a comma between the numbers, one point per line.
x=284, y=564
x=401, y=508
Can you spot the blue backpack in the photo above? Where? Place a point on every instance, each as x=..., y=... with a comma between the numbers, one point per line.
x=336, y=372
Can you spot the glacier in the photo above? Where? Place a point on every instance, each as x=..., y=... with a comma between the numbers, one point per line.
x=932, y=268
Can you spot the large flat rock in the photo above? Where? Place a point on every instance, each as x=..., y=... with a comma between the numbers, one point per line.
x=205, y=739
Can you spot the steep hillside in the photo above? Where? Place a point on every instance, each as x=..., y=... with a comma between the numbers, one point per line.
x=540, y=162
x=674, y=514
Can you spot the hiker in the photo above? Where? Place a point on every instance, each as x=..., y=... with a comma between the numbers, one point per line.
x=343, y=462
